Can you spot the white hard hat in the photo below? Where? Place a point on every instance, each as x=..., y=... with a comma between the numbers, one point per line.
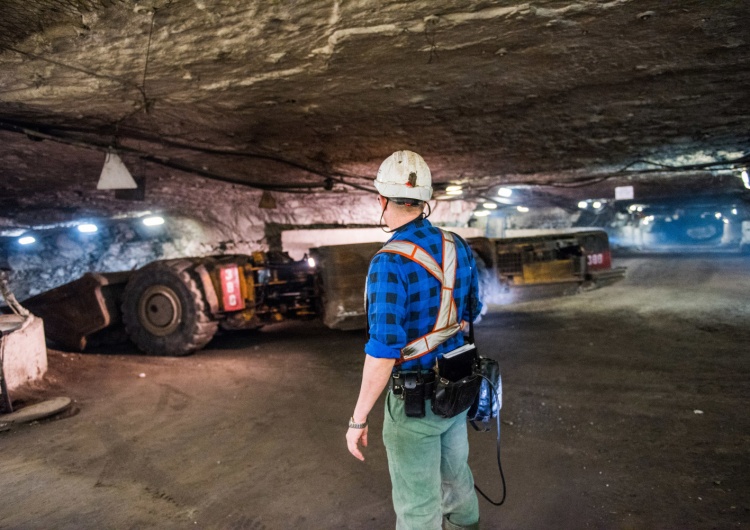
x=404, y=174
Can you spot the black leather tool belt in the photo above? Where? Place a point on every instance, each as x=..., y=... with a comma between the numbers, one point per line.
x=414, y=387
x=411, y=379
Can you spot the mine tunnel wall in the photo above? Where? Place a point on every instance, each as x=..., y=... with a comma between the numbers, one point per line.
x=201, y=221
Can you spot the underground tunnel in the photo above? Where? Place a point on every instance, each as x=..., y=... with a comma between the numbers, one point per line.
x=159, y=156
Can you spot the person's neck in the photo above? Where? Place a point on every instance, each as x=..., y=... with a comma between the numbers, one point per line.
x=401, y=220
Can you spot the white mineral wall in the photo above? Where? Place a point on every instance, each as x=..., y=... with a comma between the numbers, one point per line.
x=201, y=218
x=232, y=213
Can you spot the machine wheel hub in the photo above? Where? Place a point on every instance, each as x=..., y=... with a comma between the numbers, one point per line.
x=159, y=310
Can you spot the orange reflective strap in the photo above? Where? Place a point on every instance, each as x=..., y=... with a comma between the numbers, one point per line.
x=446, y=324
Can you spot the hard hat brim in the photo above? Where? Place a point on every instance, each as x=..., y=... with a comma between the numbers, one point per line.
x=387, y=189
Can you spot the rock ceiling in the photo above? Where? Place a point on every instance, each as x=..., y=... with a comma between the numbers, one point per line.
x=305, y=95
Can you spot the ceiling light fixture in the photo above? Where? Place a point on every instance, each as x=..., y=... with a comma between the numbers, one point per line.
x=87, y=228
x=583, y=205
x=597, y=204
x=505, y=192
x=481, y=213
x=454, y=192
x=114, y=175
x=745, y=178
x=489, y=205
x=522, y=209
x=26, y=240
x=153, y=221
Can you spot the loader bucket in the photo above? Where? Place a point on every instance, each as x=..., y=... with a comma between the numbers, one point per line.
x=342, y=272
x=75, y=310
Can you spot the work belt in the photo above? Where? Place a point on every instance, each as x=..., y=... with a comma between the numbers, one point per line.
x=418, y=382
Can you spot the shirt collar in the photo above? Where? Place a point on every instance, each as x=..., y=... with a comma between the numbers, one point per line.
x=410, y=227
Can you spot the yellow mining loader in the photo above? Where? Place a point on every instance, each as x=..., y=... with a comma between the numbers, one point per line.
x=540, y=264
x=174, y=307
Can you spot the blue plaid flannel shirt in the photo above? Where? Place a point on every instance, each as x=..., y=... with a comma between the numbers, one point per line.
x=403, y=298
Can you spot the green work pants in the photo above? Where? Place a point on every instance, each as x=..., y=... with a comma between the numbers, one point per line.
x=430, y=475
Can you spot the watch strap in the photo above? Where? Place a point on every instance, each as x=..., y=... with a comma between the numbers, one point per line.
x=354, y=425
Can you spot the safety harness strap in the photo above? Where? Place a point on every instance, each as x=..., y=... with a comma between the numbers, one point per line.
x=446, y=324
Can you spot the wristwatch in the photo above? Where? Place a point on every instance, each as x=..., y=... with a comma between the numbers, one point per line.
x=355, y=425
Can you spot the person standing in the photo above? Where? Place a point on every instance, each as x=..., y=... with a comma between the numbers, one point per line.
x=418, y=292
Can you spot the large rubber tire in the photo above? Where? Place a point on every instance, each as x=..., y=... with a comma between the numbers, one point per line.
x=164, y=311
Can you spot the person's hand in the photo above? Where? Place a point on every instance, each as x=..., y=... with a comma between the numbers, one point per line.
x=353, y=437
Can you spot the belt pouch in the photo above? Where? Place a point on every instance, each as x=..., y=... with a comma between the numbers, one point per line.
x=452, y=398
x=414, y=396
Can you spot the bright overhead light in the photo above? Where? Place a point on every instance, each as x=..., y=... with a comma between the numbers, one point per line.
x=311, y=262
x=452, y=188
x=505, y=192
x=481, y=213
x=458, y=191
x=717, y=215
x=489, y=205
x=153, y=221
x=734, y=211
x=522, y=209
x=745, y=178
x=583, y=205
x=26, y=240
x=87, y=228
x=597, y=204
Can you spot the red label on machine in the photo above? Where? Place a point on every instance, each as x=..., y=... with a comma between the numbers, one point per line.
x=599, y=260
x=230, y=288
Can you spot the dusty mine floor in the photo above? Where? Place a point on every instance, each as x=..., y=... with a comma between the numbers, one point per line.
x=624, y=407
